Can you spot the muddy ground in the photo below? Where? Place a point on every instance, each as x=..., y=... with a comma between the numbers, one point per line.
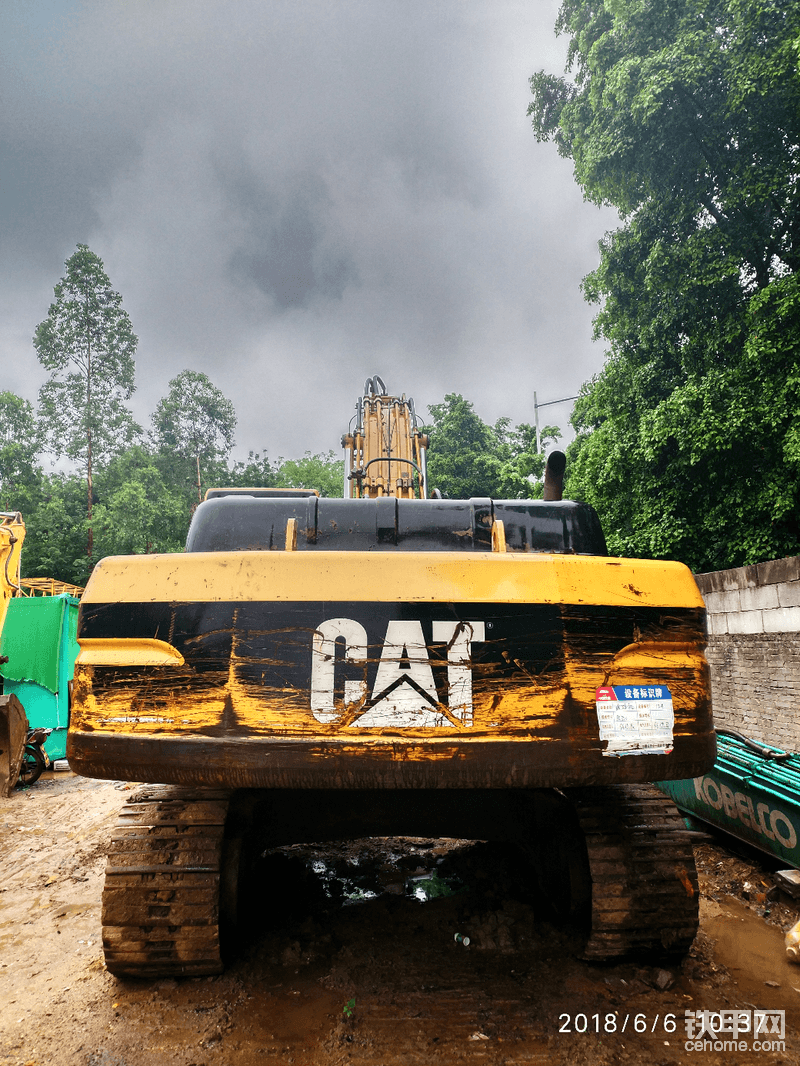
x=344, y=964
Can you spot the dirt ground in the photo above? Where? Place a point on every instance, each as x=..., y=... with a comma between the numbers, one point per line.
x=346, y=965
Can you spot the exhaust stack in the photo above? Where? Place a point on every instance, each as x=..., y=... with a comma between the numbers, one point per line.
x=554, y=476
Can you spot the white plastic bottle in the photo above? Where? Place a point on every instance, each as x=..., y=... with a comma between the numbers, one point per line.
x=793, y=944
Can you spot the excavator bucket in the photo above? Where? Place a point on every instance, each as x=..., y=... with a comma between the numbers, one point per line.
x=13, y=730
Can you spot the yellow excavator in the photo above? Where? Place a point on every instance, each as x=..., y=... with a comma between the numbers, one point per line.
x=13, y=722
x=391, y=663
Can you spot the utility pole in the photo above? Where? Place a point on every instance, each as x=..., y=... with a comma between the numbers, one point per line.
x=536, y=406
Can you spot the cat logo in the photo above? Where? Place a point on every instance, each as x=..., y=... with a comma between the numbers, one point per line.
x=404, y=692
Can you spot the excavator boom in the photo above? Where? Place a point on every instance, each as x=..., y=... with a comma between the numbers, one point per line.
x=385, y=454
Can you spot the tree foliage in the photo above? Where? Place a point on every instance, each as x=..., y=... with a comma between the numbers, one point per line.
x=54, y=510
x=685, y=116
x=323, y=471
x=88, y=345
x=468, y=458
x=139, y=511
x=195, y=422
x=20, y=444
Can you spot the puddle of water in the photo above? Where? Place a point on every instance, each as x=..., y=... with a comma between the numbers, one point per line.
x=289, y=1018
x=753, y=953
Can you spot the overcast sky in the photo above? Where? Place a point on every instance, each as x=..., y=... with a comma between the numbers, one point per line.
x=294, y=195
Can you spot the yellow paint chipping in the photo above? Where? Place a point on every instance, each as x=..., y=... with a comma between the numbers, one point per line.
x=127, y=651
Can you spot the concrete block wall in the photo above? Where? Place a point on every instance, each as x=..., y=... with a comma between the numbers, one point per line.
x=754, y=649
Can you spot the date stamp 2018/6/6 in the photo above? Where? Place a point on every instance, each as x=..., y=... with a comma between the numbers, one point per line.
x=616, y=1022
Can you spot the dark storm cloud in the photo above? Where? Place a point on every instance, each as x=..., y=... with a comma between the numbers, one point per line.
x=294, y=196
x=282, y=251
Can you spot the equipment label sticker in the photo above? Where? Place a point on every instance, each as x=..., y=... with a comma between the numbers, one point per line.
x=635, y=719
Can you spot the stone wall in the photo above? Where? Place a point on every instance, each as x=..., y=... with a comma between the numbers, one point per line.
x=754, y=649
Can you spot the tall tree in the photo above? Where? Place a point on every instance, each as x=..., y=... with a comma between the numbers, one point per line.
x=467, y=457
x=196, y=422
x=685, y=116
x=88, y=345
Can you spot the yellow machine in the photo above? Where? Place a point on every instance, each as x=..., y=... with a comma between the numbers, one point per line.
x=13, y=723
x=12, y=534
x=388, y=664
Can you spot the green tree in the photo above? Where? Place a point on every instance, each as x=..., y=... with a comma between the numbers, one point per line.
x=55, y=541
x=88, y=345
x=467, y=457
x=257, y=472
x=323, y=471
x=685, y=116
x=195, y=423
x=520, y=467
x=20, y=444
x=137, y=511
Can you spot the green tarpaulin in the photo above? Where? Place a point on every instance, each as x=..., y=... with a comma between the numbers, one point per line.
x=33, y=639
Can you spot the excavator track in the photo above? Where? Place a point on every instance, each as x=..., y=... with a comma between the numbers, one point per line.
x=645, y=897
x=161, y=900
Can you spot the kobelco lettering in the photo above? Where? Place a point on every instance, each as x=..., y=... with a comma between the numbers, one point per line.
x=767, y=821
